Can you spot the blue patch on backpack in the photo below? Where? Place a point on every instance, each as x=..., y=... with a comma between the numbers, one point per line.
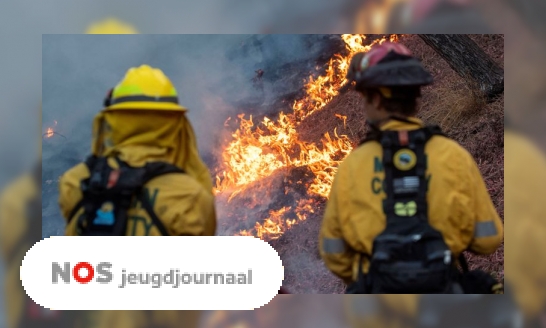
x=104, y=217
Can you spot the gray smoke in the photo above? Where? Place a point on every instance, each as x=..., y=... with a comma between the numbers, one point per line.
x=212, y=73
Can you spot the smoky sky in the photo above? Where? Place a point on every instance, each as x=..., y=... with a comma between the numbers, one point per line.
x=212, y=73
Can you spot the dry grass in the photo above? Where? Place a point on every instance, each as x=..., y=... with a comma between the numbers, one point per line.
x=450, y=107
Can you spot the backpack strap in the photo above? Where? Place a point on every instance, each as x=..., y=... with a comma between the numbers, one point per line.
x=152, y=170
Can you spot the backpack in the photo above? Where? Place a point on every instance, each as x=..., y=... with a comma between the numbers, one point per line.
x=409, y=256
x=109, y=193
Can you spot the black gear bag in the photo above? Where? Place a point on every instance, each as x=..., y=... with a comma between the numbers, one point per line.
x=109, y=193
x=409, y=256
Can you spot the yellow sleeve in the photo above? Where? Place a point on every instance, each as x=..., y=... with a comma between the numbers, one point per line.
x=196, y=218
x=335, y=252
x=488, y=227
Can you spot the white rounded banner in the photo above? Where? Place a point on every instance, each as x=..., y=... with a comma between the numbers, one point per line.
x=152, y=273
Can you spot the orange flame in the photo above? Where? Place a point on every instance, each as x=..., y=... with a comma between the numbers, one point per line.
x=258, y=150
x=49, y=133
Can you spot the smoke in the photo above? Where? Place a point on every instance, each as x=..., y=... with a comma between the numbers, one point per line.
x=215, y=76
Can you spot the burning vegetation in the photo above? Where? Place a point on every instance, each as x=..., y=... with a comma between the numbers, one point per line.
x=259, y=153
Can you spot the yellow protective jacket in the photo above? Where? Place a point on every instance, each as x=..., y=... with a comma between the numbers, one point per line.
x=459, y=205
x=525, y=220
x=183, y=201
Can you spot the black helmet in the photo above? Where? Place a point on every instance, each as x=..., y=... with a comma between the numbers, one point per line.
x=387, y=65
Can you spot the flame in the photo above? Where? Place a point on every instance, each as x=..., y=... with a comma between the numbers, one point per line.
x=49, y=133
x=257, y=150
x=342, y=117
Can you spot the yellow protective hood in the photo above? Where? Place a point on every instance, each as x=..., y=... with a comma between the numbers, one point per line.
x=139, y=136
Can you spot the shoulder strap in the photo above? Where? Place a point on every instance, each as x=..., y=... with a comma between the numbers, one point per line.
x=153, y=170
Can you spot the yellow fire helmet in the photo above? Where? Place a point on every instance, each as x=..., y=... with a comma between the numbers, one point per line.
x=111, y=26
x=144, y=87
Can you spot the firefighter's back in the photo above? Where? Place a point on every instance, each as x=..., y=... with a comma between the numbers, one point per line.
x=456, y=195
x=179, y=201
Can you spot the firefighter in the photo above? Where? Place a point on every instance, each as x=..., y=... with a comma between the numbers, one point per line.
x=144, y=127
x=134, y=319
x=408, y=201
x=143, y=123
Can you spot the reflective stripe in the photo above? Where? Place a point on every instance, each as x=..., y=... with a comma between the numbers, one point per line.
x=144, y=98
x=126, y=90
x=485, y=229
x=333, y=245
